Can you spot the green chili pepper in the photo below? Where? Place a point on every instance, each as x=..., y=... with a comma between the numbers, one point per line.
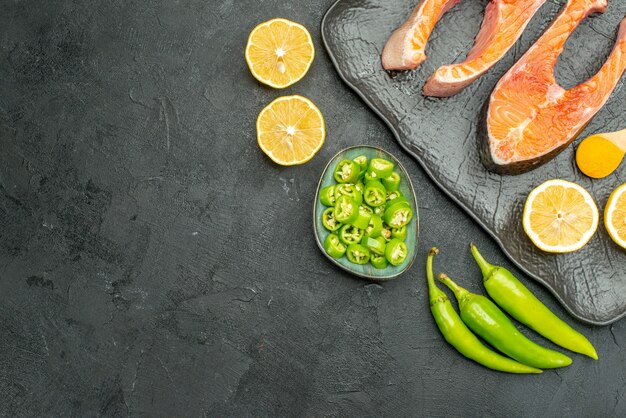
x=327, y=196
x=349, y=190
x=515, y=298
x=357, y=254
x=378, y=261
x=392, y=181
x=361, y=160
x=375, y=245
x=459, y=336
x=380, y=210
x=349, y=234
x=396, y=252
x=380, y=168
x=369, y=176
x=363, y=220
x=399, y=233
x=375, y=193
x=360, y=186
x=391, y=195
x=398, y=199
x=347, y=171
x=346, y=209
x=483, y=317
x=386, y=233
x=334, y=247
x=329, y=221
x=398, y=215
x=375, y=227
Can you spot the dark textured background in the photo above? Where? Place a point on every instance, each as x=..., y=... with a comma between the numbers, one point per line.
x=154, y=263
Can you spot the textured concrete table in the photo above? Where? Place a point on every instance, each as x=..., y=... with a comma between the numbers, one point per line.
x=154, y=263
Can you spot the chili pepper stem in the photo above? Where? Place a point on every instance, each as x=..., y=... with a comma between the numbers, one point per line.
x=433, y=291
x=460, y=293
x=486, y=268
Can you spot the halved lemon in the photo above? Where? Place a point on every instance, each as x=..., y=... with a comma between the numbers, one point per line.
x=560, y=216
x=279, y=52
x=290, y=130
x=615, y=216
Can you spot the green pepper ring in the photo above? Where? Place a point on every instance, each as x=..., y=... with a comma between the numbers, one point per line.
x=334, y=247
x=399, y=233
x=375, y=193
x=374, y=227
x=363, y=220
x=329, y=221
x=347, y=171
x=381, y=167
x=348, y=235
x=349, y=190
x=396, y=252
x=358, y=254
x=391, y=182
x=379, y=261
x=327, y=195
x=346, y=210
x=398, y=215
x=375, y=245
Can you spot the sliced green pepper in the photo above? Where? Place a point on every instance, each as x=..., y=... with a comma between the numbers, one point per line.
x=397, y=199
x=392, y=181
x=375, y=193
x=347, y=171
x=363, y=220
x=369, y=176
x=358, y=254
x=334, y=247
x=346, y=209
x=374, y=227
x=361, y=160
x=379, y=261
x=349, y=190
x=329, y=221
x=327, y=196
x=386, y=233
x=349, y=234
x=381, y=168
x=380, y=210
x=360, y=186
x=396, y=252
x=394, y=194
x=399, y=233
x=398, y=215
x=375, y=245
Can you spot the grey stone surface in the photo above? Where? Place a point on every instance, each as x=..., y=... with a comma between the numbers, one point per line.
x=153, y=262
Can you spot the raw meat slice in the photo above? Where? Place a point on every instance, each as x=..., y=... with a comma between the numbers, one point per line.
x=405, y=48
x=503, y=24
x=530, y=118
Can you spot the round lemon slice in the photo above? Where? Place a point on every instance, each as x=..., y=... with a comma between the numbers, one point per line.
x=615, y=216
x=290, y=130
x=279, y=52
x=560, y=216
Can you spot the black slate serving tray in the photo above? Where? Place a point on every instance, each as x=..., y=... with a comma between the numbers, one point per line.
x=441, y=134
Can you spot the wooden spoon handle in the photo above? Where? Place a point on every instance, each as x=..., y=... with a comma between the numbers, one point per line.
x=618, y=138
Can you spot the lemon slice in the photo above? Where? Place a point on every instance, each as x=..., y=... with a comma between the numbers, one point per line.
x=560, y=216
x=279, y=52
x=615, y=216
x=290, y=130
